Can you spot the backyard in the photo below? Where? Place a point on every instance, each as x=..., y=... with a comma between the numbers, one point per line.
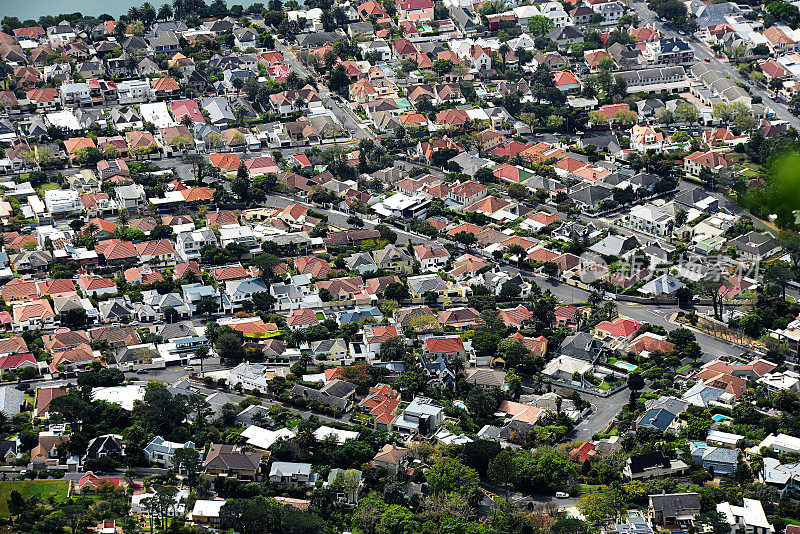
x=28, y=488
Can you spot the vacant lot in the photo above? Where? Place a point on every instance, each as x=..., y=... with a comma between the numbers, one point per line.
x=28, y=488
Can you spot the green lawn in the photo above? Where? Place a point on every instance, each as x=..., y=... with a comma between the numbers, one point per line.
x=49, y=185
x=28, y=488
x=585, y=489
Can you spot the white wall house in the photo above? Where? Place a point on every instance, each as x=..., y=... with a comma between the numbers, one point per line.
x=134, y=92
x=188, y=244
x=59, y=201
x=651, y=219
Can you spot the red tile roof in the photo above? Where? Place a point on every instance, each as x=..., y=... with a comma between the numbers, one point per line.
x=235, y=272
x=302, y=318
x=115, y=249
x=443, y=345
x=226, y=162
x=620, y=327
x=160, y=247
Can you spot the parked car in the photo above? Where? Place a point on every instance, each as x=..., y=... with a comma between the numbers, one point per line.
x=562, y=495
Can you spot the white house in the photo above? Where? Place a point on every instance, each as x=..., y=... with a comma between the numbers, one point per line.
x=422, y=417
x=134, y=92
x=555, y=12
x=781, y=444
x=787, y=380
x=60, y=201
x=650, y=218
x=747, y=519
x=234, y=233
x=158, y=114
x=75, y=94
x=188, y=244
x=480, y=57
x=162, y=452
x=251, y=376
x=610, y=11
x=431, y=257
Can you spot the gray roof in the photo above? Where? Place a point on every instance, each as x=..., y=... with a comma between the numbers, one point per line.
x=591, y=194
x=218, y=108
x=181, y=329
x=338, y=388
x=11, y=399
x=320, y=397
x=582, y=346
x=673, y=404
x=288, y=469
x=159, y=444
x=666, y=284
x=421, y=284
x=359, y=259
x=487, y=378
x=326, y=345
x=245, y=286
x=671, y=503
x=720, y=455
x=704, y=394
x=318, y=38
x=614, y=245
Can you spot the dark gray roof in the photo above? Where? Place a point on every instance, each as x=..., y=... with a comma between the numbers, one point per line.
x=320, y=397
x=670, y=504
x=582, y=346
x=639, y=463
x=338, y=388
x=567, y=32
x=182, y=329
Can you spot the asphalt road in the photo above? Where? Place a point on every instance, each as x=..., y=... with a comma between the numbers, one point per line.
x=658, y=315
x=701, y=52
x=339, y=219
x=341, y=111
x=604, y=410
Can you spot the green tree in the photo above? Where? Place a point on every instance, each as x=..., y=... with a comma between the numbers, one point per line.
x=635, y=382
x=397, y=291
x=779, y=273
x=387, y=233
x=449, y=475
x=241, y=184
x=502, y=469
x=600, y=509
x=74, y=318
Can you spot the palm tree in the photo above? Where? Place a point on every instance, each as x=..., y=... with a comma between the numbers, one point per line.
x=90, y=229
x=177, y=7
x=148, y=13
x=165, y=12
x=133, y=13
x=201, y=353
x=518, y=251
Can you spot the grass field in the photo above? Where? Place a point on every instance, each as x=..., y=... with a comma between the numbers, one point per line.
x=28, y=488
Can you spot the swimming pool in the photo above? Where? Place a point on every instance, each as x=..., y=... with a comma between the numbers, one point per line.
x=719, y=418
x=459, y=404
x=625, y=365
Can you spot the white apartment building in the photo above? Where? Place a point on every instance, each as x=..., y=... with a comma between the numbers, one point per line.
x=134, y=92
x=188, y=244
x=650, y=218
x=61, y=201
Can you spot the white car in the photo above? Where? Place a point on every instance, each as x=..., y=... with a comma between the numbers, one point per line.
x=562, y=495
